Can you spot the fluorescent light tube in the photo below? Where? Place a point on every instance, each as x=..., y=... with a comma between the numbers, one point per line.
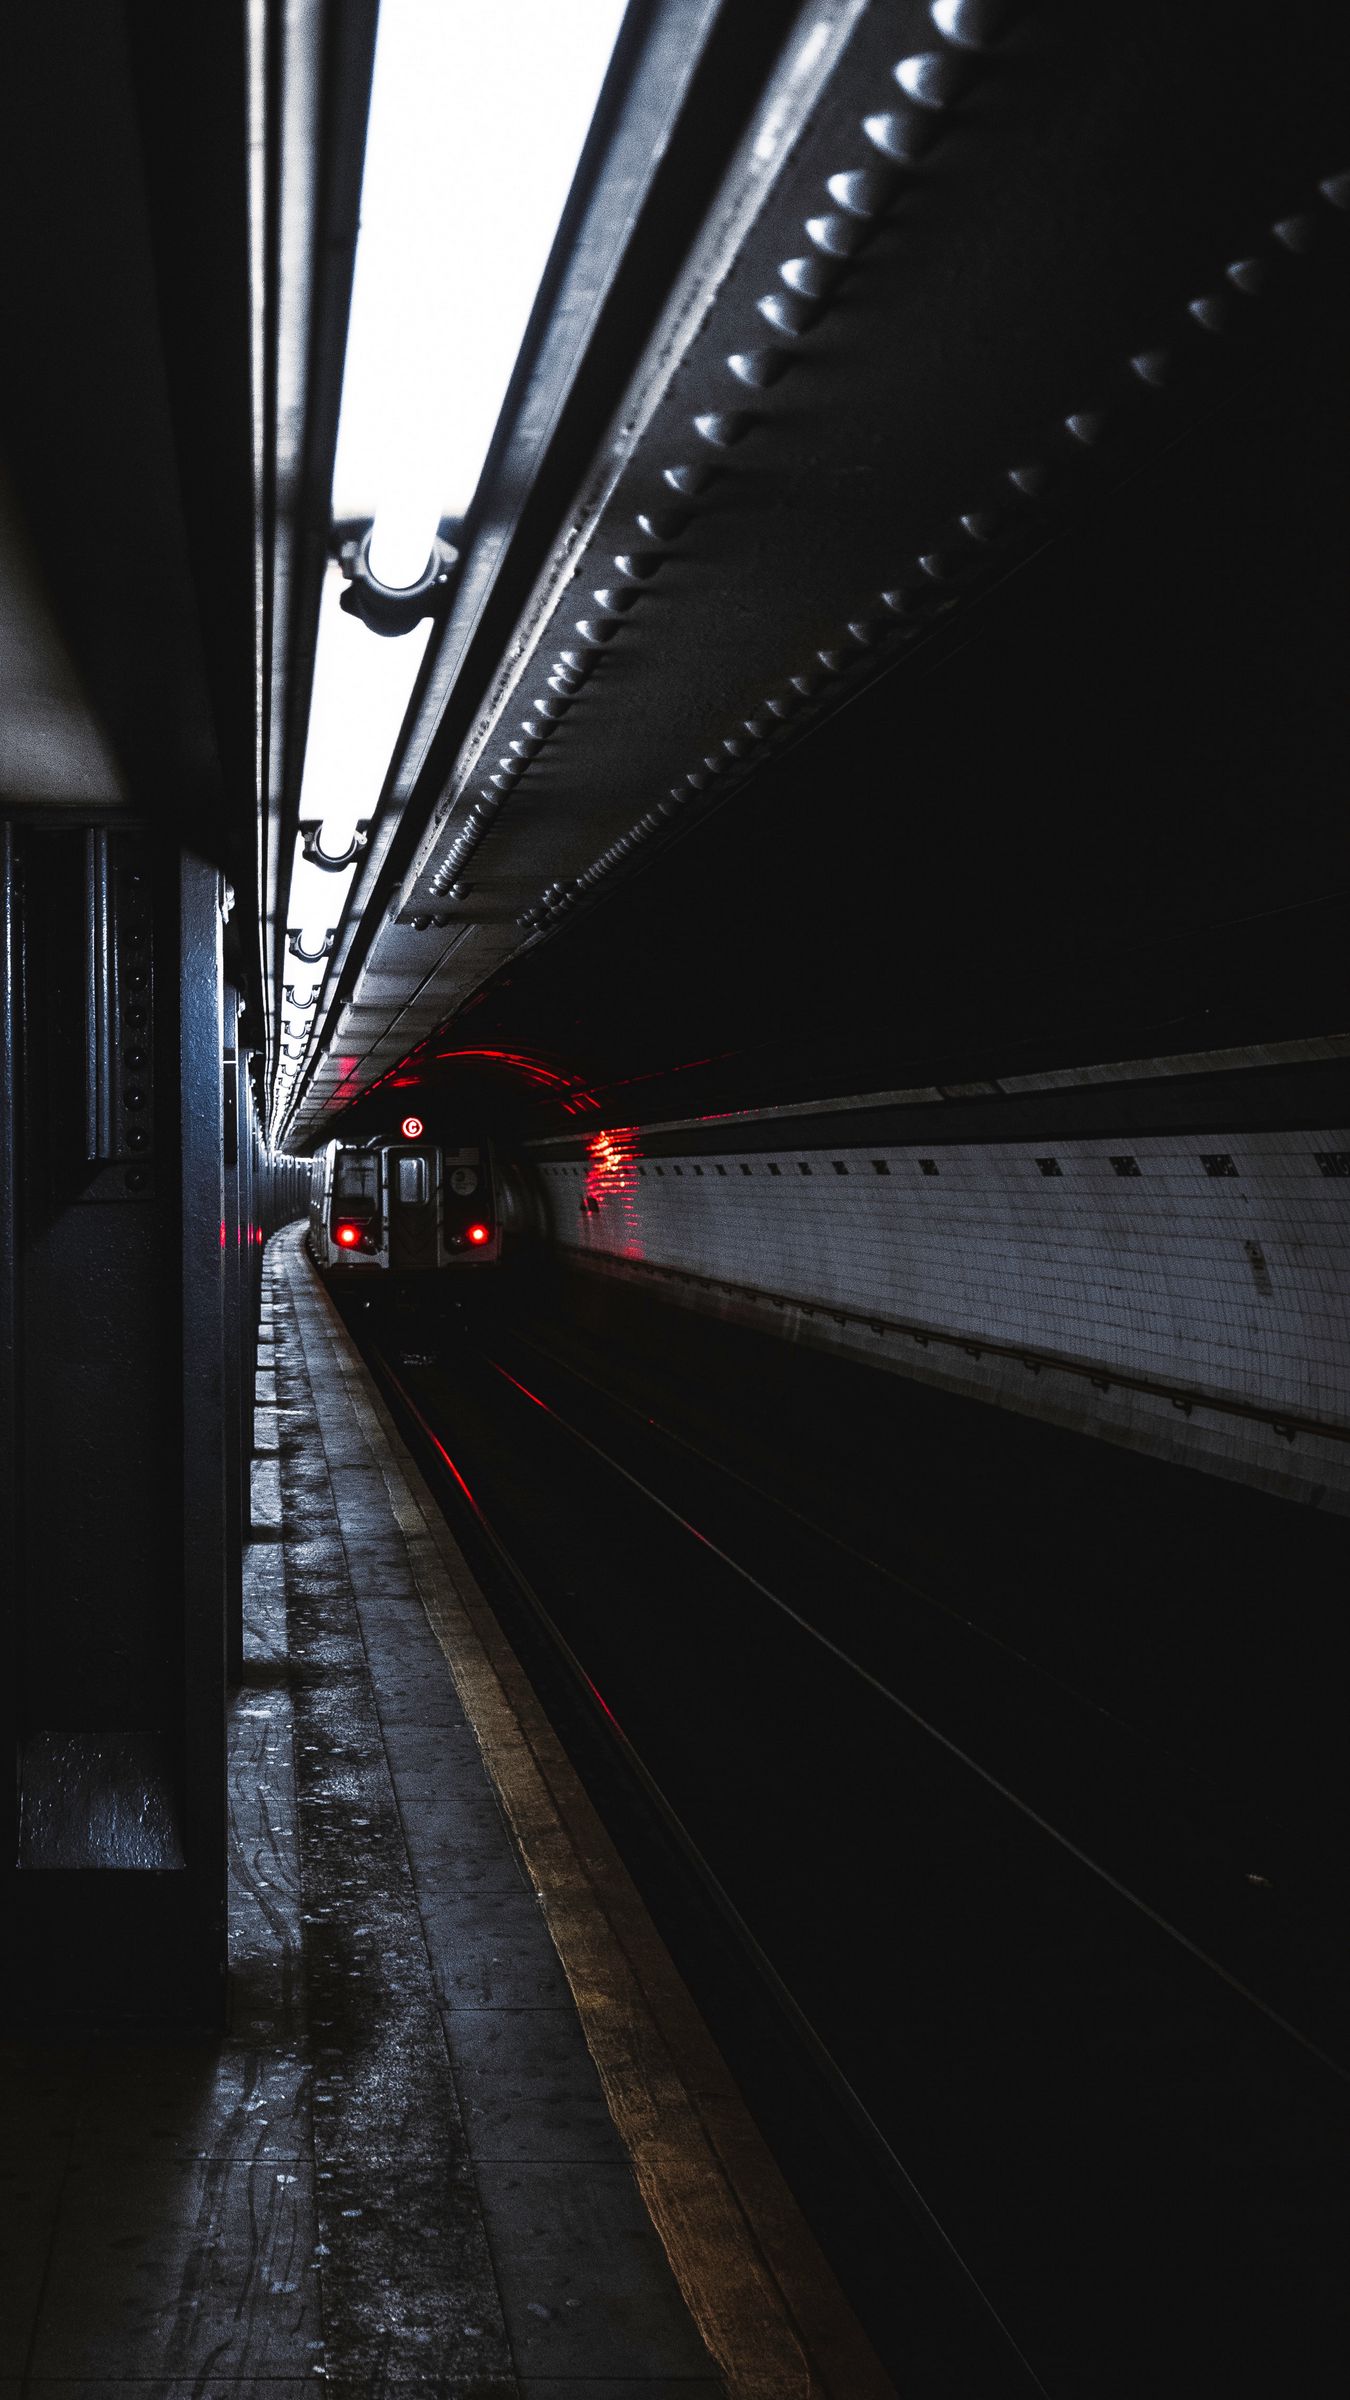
x=479, y=110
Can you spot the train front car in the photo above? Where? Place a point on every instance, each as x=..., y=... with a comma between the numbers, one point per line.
x=405, y=1210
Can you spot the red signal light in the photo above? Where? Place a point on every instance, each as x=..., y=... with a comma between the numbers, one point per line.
x=348, y=1235
x=479, y=1234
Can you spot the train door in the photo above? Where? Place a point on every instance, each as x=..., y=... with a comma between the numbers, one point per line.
x=413, y=1210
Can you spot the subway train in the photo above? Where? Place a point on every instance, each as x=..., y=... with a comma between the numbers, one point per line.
x=408, y=1208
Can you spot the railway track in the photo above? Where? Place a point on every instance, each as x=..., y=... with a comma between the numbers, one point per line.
x=951, y=1883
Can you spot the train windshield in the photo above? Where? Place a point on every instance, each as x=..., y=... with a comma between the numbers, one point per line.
x=356, y=1178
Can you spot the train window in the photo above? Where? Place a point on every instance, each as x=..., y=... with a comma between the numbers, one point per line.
x=412, y=1182
x=356, y=1178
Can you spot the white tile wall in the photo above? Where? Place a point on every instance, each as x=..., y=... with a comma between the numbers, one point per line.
x=1236, y=1287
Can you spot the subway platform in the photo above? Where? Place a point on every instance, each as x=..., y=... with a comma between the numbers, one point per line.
x=466, y=2133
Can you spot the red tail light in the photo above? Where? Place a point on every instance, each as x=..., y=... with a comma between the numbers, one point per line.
x=478, y=1234
x=347, y=1235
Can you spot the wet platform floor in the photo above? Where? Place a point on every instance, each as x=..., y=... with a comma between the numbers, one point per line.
x=399, y=2169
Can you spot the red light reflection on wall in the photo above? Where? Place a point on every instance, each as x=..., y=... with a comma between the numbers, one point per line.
x=610, y=1202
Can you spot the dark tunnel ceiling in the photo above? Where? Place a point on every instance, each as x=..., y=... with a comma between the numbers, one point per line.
x=1107, y=820
x=1097, y=179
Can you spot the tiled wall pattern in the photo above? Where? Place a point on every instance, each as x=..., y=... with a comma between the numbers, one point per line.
x=1207, y=1267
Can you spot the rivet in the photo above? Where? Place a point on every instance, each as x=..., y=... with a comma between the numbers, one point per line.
x=722, y=427
x=1153, y=367
x=534, y=732
x=1210, y=311
x=862, y=191
x=697, y=780
x=1249, y=276
x=971, y=23
x=525, y=749
x=1296, y=234
x=862, y=632
x=831, y=660
x=638, y=566
x=980, y=525
x=614, y=603
x=1086, y=425
x=1336, y=190
x=1030, y=481
x=931, y=79
x=813, y=278
x=734, y=746
x=780, y=705
x=805, y=683
x=714, y=762
x=787, y=312
x=758, y=368
x=595, y=631
x=670, y=807
x=555, y=706
x=650, y=822
x=662, y=524
x=564, y=684
x=578, y=661
x=689, y=481
x=837, y=236
x=936, y=566
x=900, y=133
x=758, y=727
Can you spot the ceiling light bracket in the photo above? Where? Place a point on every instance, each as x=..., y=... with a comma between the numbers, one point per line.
x=310, y=830
x=379, y=605
x=295, y=935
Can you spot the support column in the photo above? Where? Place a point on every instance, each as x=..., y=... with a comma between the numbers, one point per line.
x=112, y=1877
x=237, y=1443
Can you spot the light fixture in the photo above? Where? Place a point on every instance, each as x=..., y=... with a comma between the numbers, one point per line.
x=477, y=120
x=478, y=115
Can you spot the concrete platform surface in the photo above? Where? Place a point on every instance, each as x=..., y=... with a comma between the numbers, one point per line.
x=466, y=2133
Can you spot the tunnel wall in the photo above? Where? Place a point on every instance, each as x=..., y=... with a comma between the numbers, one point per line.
x=1182, y=1293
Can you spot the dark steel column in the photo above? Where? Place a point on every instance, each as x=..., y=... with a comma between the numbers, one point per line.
x=236, y=1445
x=112, y=1883
x=203, y=1230
x=10, y=1423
